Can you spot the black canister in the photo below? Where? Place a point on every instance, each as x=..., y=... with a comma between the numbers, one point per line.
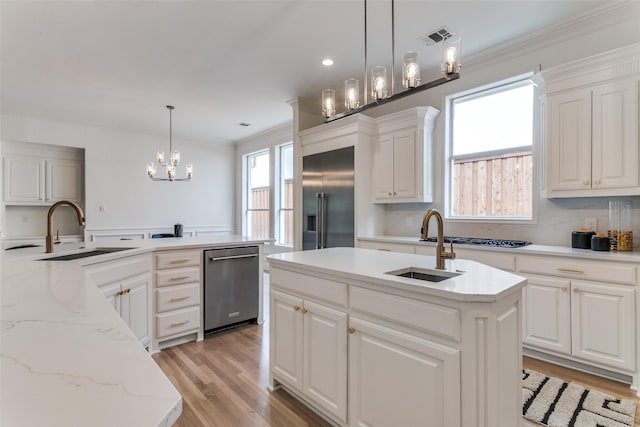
x=600, y=243
x=581, y=239
x=177, y=230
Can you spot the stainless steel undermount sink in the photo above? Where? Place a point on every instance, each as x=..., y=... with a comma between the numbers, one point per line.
x=423, y=274
x=94, y=252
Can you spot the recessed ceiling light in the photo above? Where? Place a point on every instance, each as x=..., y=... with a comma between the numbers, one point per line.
x=327, y=62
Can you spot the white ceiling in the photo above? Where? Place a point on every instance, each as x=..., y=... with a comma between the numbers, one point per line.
x=118, y=63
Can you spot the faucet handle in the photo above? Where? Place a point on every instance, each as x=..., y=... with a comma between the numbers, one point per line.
x=450, y=254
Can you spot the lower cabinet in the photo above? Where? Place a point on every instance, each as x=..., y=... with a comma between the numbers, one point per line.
x=126, y=283
x=416, y=379
x=130, y=299
x=583, y=319
x=309, y=350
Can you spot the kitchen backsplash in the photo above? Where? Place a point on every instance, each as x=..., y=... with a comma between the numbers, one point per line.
x=553, y=224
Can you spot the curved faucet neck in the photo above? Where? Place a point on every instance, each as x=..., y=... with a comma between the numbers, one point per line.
x=49, y=237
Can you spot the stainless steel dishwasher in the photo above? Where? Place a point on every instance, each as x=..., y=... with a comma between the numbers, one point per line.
x=231, y=279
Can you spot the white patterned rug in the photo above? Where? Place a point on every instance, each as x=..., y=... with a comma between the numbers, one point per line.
x=553, y=402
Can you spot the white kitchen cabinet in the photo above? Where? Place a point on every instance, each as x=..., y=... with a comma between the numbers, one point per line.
x=309, y=350
x=37, y=181
x=397, y=379
x=385, y=246
x=403, y=158
x=129, y=298
x=568, y=313
x=547, y=313
x=126, y=283
x=603, y=322
x=592, y=126
x=177, y=297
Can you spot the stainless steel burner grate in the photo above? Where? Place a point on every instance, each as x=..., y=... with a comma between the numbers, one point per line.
x=482, y=241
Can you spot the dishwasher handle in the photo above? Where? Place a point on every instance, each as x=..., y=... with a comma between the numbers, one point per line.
x=222, y=258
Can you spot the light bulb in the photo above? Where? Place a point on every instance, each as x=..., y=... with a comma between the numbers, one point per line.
x=160, y=157
x=189, y=170
x=151, y=169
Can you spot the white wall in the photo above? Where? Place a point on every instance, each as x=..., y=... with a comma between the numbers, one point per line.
x=555, y=218
x=115, y=173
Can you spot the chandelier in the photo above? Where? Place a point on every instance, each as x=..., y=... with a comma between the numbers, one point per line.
x=379, y=88
x=169, y=165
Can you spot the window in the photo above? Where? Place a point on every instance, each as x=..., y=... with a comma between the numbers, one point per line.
x=260, y=219
x=490, y=153
x=258, y=195
x=285, y=195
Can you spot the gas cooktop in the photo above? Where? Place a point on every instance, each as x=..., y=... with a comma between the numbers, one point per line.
x=481, y=241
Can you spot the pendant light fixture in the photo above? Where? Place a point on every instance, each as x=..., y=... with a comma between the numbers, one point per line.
x=174, y=159
x=380, y=90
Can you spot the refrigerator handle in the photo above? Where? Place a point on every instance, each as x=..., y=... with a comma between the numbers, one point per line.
x=323, y=231
x=318, y=219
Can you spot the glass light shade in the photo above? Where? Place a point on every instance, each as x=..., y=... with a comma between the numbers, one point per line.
x=351, y=94
x=450, y=56
x=189, y=170
x=411, y=70
x=378, y=82
x=171, y=172
x=328, y=103
x=151, y=169
x=160, y=157
x=175, y=157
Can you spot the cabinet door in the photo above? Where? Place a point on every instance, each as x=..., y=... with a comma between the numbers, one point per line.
x=396, y=379
x=547, y=314
x=135, y=306
x=64, y=180
x=404, y=164
x=23, y=180
x=615, y=135
x=112, y=294
x=569, y=153
x=286, y=338
x=603, y=323
x=325, y=357
x=383, y=168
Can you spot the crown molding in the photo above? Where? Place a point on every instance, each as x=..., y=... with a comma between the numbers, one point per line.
x=588, y=22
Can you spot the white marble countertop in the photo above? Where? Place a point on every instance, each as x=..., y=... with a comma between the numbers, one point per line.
x=478, y=282
x=567, y=251
x=67, y=358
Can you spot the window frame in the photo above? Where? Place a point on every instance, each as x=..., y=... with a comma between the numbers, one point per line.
x=247, y=191
x=449, y=158
x=279, y=194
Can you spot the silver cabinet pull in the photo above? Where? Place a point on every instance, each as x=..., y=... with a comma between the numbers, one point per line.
x=211, y=258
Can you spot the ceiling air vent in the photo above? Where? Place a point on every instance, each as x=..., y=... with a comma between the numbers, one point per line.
x=244, y=124
x=436, y=36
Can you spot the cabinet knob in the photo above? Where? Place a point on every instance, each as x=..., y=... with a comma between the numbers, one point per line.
x=395, y=194
x=576, y=290
x=585, y=182
x=565, y=289
x=390, y=194
x=296, y=308
x=352, y=330
x=597, y=182
x=304, y=310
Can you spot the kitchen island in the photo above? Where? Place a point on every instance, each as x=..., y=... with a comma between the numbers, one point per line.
x=69, y=359
x=365, y=346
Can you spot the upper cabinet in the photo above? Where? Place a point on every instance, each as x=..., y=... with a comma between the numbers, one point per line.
x=33, y=179
x=403, y=158
x=592, y=126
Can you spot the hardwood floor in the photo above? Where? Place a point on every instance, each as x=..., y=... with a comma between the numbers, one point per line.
x=223, y=381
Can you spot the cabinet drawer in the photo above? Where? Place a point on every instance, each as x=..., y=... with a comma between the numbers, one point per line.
x=180, y=296
x=579, y=269
x=303, y=284
x=433, y=318
x=386, y=247
x=177, y=276
x=178, y=259
x=502, y=261
x=175, y=322
x=113, y=271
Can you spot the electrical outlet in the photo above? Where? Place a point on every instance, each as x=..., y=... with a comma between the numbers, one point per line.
x=591, y=224
x=409, y=221
x=102, y=208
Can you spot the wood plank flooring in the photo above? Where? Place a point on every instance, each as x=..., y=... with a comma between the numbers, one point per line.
x=223, y=381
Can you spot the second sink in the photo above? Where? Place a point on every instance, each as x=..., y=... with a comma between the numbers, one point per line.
x=423, y=274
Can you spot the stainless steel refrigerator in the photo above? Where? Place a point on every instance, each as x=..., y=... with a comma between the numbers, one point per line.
x=327, y=199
